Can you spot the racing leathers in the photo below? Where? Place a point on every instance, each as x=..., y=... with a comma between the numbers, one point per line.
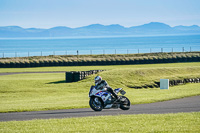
x=103, y=84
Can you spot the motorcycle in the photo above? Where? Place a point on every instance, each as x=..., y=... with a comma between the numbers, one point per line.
x=102, y=99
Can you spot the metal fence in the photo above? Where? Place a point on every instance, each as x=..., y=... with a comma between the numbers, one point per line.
x=97, y=52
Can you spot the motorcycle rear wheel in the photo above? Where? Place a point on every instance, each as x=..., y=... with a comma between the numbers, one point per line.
x=125, y=105
x=96, y=104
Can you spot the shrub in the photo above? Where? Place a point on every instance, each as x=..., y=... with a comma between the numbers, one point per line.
x=60, y=62
x=108, y=61
x=123, y=61
x=170, y=59
x=75, y=62
x=113, y=61
x=55, y=62
x=194, y=58
x=84, y=62
x=160, y=59
x=32, y=63
x=27, y=63
x=12, y=64
x=100, y=59
x=103, y=61
x=70, y=63
x=140, y=60
x=65, y=62
x=150, y=60
x=41, y=63
x=46, y=62
x=37, y=64
x=2, y=64
x=145, y=60
x=118, y=61
x=99, y=62
x=136, y=61
x=17, y=64
x=165, y=60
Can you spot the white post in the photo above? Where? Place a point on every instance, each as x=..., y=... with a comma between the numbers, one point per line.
x=164, y=83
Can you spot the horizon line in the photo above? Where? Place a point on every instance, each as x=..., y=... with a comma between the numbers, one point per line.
x=96, y=24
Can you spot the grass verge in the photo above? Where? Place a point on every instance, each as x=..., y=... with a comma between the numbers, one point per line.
x=47, y=91
x=180, y=122
x=109, y=67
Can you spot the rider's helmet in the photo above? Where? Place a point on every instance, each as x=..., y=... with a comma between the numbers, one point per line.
x=97, y=80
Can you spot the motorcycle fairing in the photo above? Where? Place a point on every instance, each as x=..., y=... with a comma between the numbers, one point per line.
x=103, y=95
x=118, y=90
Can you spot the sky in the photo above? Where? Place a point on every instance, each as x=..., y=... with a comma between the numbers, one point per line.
x=78, y=13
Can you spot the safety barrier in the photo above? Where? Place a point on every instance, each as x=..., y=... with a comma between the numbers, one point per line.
x=171, y=83
x=74, y=76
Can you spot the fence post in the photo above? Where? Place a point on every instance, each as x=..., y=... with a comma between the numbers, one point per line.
x=161, y=50
x=138, y=51
x=183, y=49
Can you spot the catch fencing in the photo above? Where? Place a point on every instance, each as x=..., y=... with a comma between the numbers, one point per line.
x=97, y=52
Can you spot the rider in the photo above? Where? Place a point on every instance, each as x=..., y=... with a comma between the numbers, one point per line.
x=101, y=84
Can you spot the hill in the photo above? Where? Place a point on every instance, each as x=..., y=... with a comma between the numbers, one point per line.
x=153, y=28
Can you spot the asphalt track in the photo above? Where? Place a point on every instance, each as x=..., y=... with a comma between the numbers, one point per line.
x=189, y=104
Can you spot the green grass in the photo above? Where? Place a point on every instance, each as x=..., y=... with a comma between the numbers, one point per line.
x=48, y=91
x=143, y=123
x=111, y=67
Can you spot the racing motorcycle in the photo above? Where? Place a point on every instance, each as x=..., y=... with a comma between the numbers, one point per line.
x=102, y=99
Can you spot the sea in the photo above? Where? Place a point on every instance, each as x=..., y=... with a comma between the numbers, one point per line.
x=25, y=47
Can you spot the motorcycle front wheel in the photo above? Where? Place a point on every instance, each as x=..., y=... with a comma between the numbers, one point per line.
x=125, y=103
x=96, y=104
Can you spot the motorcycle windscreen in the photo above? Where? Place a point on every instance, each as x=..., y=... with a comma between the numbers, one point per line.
x=118, y=90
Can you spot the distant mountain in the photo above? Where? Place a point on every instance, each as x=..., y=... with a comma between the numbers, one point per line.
x=187, y=28
x=59, y=31
x=153, y=28
x=99, y=30
x=34, y=30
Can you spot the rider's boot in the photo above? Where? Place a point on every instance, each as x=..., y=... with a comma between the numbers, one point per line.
x=117, y=98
